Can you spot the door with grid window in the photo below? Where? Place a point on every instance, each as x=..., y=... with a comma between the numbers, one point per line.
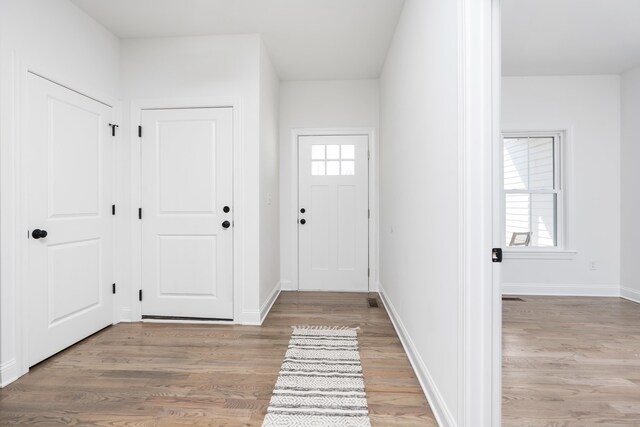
x=333, y=212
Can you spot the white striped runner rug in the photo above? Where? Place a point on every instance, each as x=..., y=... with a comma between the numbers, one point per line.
x=320, y=382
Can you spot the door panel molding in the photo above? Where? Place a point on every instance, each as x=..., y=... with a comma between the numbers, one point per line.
x=373, y=199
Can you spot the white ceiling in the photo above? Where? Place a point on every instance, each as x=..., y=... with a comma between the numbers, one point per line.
x=306, y=39
x=566, y=37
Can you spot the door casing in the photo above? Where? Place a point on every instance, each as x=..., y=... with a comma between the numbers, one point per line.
x=134, y=311
x=373, y=198
x=19, y=171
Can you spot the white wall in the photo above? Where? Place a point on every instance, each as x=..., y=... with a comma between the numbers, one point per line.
x=269, y=182
x=56, y=40
x=315, y=105
x=209, y=68
x=588, y=107
x=630, y=186
x=419, y=197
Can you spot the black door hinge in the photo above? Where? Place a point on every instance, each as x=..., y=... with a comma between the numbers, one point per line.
x=140, y=295
x=113, y=209
x=113, y=129
x=139, y=213
x=496, y=254
x=113, y=288
x=139, y=131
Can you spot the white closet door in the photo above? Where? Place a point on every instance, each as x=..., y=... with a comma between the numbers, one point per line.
x=333, y=214
x=68, y=162
x=187, y=213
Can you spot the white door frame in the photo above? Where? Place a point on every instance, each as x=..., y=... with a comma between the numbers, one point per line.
x=134, y=311
x=373, y=197
x=14, y=208
x=480, y=361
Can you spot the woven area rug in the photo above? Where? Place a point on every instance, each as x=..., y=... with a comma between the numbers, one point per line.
x=320, y=382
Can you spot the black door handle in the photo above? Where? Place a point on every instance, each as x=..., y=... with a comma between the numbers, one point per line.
x=226, y=224
x=39, y=234
x=303, y=221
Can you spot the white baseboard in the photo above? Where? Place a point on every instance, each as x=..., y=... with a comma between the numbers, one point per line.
x=561, y=290
x=630, y=294
x=287, y=285
x=266, y=307
x=256, y=317
x=125, y=315
x=250, y=318
x=438, y=406
x=8, y=372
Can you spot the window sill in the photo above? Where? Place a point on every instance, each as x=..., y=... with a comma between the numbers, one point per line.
x=539, y=254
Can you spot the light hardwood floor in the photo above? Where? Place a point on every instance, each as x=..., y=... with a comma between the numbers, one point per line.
x=175, y=375
x=571, y=362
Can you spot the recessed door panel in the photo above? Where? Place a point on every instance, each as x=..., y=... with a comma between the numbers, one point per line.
x=187, y=237
x=186, y=175
x=188, y=266
x=333, y=212
x=74, y=159
x=68, y=163
x=346, y=219
x=319, y=227
x=74, y=279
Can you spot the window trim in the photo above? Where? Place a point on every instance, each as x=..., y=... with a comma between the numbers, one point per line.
x=562, y=164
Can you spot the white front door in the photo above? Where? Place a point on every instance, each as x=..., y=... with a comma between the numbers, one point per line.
x=333, y=212
x=68, y=163
x=187, y=213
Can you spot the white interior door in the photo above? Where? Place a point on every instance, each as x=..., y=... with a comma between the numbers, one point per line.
x=68, y=163
x=187, y=213
x=333, y=212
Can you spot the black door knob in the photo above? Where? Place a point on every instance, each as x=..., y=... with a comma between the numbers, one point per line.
x=303, y=221
x=226, y=209
x=39, y=234
x=226, y=224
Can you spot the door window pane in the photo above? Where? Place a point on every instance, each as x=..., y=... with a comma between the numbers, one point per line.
x=348, y=167
x=333, y=152
x=333, y=168
x=348, y=151
x=317, y=152
x=317, y=168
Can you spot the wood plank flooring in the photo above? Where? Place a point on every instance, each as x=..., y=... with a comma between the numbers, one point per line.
x=143, y=374
x=571, y=361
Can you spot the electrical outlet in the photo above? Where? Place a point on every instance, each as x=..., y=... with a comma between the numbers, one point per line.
x=593, y=265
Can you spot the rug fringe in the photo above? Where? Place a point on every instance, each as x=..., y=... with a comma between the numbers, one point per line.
x=326, y=328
